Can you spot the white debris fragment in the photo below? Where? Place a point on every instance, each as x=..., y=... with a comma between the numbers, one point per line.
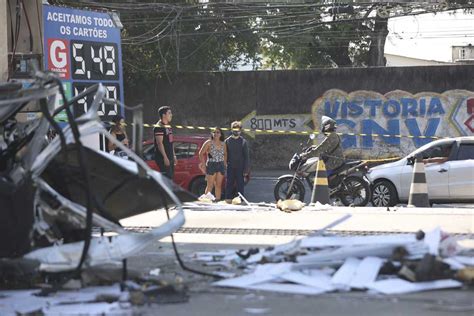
x=332, y=241
x=344, y=276
x=432, y=239
x=341, y=263
x=366, y=272
x=399, y=286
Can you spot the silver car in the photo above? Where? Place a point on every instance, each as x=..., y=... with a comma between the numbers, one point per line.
x=449, y=167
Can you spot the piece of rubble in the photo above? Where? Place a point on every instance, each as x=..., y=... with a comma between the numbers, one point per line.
x=356, y=262
x=466, y=275
x=236, y=201
x=289, y=206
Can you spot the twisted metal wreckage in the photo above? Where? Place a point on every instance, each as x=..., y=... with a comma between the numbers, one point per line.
x=53, y=193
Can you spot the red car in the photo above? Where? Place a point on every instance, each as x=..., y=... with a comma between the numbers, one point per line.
x=186, y=173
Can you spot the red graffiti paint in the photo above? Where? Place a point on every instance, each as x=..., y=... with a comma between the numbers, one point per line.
x=470, y=110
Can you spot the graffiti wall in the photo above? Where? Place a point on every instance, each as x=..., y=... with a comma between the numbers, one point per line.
x=384, y=111
x=396, y=122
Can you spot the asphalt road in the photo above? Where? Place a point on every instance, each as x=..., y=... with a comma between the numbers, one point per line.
x=261, y=185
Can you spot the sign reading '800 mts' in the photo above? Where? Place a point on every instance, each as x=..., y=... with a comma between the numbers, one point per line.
x=83, y=48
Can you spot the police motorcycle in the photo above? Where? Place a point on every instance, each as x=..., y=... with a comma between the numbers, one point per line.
x=347, y=183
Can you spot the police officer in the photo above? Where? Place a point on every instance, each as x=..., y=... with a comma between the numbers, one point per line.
x=330, y=149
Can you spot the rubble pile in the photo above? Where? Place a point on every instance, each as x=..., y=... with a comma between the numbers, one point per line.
x=56, y=185
x=379, y=264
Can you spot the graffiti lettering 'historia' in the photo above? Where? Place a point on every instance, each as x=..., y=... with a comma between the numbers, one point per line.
x=423, y=116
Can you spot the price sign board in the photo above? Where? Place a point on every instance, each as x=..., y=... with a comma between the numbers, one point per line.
x=84, y=48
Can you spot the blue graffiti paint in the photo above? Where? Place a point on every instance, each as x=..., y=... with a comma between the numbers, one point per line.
x=409, y=106
x=430, y=130
x=355, y=109
x=347, y=140
x=331, y=109
x=422, y=107
x=371, y=127
x=435, y=107
x=373, y=104
x=364, y=113
x=391, y=108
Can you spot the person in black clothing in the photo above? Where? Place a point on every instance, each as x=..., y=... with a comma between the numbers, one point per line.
x=237, y=161
x=164, y=151
x=120, y=133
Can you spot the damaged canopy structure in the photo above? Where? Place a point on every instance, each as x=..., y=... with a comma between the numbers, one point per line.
x=52, y=191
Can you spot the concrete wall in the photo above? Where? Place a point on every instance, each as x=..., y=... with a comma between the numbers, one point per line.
x=217, y=98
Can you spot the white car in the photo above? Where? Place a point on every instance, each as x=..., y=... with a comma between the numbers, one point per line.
x=448, y=181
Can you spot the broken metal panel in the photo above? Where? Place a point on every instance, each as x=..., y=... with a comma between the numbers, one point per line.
x=122, y=193
x=102, y=249
x=54, y=208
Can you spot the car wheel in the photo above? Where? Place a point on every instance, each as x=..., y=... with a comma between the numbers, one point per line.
x=198, y=186
x=384, y=193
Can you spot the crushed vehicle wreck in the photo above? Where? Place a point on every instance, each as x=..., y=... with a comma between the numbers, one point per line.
x=53, y=192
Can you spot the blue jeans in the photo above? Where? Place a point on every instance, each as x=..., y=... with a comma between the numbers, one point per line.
x=234, y=177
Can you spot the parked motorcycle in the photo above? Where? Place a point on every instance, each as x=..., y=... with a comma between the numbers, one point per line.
x=347, y=183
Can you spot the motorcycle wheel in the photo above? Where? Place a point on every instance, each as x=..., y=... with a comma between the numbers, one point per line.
x=356, y=192
x=282, y=190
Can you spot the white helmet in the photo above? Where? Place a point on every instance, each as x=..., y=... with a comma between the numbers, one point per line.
x=327, y=124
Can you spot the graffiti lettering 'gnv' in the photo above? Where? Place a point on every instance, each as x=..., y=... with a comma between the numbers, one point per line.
x=370, y=113
x=376, y=124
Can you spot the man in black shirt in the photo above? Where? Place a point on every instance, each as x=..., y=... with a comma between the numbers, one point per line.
x=164, y=151
x=237, y=161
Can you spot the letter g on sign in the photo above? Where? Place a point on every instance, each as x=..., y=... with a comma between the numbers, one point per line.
x=58, y=57
x=57, y=51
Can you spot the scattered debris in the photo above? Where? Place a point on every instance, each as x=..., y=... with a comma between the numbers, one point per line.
x=385, y=264
x=54, y=191
x=290, y=205
x=236, y=201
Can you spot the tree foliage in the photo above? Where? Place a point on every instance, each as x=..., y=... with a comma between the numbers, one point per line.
x=169, y=36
